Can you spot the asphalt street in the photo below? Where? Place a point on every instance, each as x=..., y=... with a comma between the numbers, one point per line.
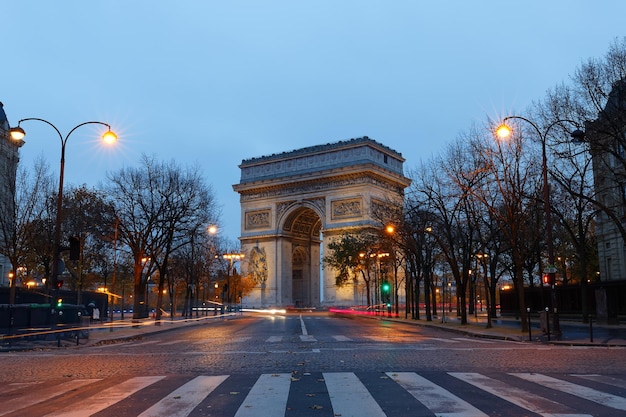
x=320, y=364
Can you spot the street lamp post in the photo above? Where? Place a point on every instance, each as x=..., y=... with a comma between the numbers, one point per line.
x=232, y=258
x=17, y=134
x=503, y=131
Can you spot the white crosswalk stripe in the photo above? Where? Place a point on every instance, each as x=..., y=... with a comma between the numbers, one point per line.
x=437, y=399
x=604, y=379
x=182, y=401
x=107, y=397
x=590, y=394
x=267, y=397
x=350, y=397
x=43, y=394
x=517, y=396
x=347, y=393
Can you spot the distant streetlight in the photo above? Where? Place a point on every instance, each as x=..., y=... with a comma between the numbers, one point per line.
x=232, y=258
x=503, y=131
x=18, y=134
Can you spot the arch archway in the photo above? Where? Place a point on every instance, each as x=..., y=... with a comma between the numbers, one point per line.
x=301, y=228
x=294, y=203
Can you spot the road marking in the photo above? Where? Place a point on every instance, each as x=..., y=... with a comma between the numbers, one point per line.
x=183, y=400
x=606, y=399
x=241, y=339
x=439, y=339
x=603, y=379
x=149, y=342
x=268, y=396
x=350, y=397
x=17, y=385
x=303, y=327
x=43, y=394
x=437, y=399
x=474, y=340
x=171, y=342
x=340, y=338
x=274, y=339
x=531, y=402
x=307, y=338
x=106, y=398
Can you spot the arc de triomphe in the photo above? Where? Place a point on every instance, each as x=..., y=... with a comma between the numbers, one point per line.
x=294, y=203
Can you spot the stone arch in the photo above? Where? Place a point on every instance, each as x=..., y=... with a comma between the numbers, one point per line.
x=294, y=203
x=301, y=226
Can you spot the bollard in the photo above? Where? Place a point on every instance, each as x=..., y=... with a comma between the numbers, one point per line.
x=548, y=322
x=530, y=335
x=590, y=328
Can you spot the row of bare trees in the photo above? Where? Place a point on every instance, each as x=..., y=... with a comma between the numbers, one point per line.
x=480, y=203
x=149, y=222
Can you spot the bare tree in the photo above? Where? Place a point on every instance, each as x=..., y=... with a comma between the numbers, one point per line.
x=445, y=187
x=18, y=222
x=89, y=220
x=509, y=192
x=596, y=102
x=159, y=205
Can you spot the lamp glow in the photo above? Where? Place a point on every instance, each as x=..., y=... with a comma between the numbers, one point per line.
x=109, y=137
x=17, y=133
x=503, y=131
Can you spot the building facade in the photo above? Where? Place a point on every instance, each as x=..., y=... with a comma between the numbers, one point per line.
x=9, y=157
x=606, y=138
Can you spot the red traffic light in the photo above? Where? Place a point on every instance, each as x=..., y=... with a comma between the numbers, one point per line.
x=59, y=283
x=546, y=279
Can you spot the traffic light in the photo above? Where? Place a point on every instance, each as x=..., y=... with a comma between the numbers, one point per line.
x=59, y=303
x=74, y=248
x=385, y=292
x=59, y=283
x=546, y=279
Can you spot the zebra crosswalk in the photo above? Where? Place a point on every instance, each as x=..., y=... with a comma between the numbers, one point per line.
x=363, y=394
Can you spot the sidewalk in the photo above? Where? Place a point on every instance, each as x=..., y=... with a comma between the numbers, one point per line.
x=105, y=333
x=573, y=333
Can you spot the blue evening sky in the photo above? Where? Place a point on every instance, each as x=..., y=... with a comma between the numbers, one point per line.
x=215, y=82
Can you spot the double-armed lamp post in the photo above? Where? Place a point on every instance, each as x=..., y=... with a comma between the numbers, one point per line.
x=17, y=134
x=504, y=131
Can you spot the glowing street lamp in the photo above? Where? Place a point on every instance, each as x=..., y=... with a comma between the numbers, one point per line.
x=504, y=131
x=18, y=134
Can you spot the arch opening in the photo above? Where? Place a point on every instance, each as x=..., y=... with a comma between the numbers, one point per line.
x=302, y=230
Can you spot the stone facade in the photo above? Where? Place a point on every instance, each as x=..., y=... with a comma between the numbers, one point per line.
x=9, y=158
x=294, y=203
x=605, y=137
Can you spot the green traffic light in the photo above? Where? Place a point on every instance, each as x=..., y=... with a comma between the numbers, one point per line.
x=386, y=287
